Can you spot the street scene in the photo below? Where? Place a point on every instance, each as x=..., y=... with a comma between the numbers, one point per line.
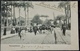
x=24, y=22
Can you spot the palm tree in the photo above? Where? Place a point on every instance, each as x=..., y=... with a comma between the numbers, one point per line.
x=69, y=16
x=13, y=8
x=27, y=5
x=14, y=5
x=19, y=5
x=66, y=6
x=10, y=3
x=5, y=13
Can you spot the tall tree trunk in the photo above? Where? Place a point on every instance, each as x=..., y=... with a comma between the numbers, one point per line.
x=13, y=15
x=5, y=24
x=66, y=16
x=27, y=16
x=69, y=13
x=7, y=17
x=14, y=12
x=19, y=13
x=70, y=18
x=7, y=14
x=19, y=16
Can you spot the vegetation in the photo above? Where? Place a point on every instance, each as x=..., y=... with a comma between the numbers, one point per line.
x=36, y=19
x=6, y=10
x=66, y=7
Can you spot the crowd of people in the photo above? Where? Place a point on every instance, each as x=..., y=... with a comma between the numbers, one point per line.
x=37, y=28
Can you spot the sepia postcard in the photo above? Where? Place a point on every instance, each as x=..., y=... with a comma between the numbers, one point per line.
x=39, y=25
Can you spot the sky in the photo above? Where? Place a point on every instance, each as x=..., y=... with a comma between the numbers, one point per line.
x=40, y=10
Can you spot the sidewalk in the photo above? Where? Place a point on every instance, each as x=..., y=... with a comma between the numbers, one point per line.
x=31, y=38
x=8, y=35
x=61, y=38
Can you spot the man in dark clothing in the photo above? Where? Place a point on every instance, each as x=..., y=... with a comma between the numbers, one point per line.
x=35, y=29
x=64, y=28
x=16, y=29
x=19, y=32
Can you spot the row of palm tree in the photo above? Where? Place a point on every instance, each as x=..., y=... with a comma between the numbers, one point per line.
x=4, y=14
x=25, y=5
x=67, y=9
x=19, y=4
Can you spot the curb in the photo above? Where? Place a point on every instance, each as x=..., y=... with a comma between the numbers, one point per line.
x=8, y=36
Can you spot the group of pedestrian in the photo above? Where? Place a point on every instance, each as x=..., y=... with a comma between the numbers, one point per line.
x=42, y=29
x=22, y=31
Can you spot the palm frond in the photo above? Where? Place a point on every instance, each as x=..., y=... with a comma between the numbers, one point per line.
x=63, y=4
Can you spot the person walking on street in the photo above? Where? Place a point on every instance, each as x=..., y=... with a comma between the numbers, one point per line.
x=64, y=28
x=19, y=32
x=35, y=29
x=23, y=33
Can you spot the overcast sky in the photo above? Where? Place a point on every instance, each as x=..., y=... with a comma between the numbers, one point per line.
x=45, y=11
x=40, y=10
